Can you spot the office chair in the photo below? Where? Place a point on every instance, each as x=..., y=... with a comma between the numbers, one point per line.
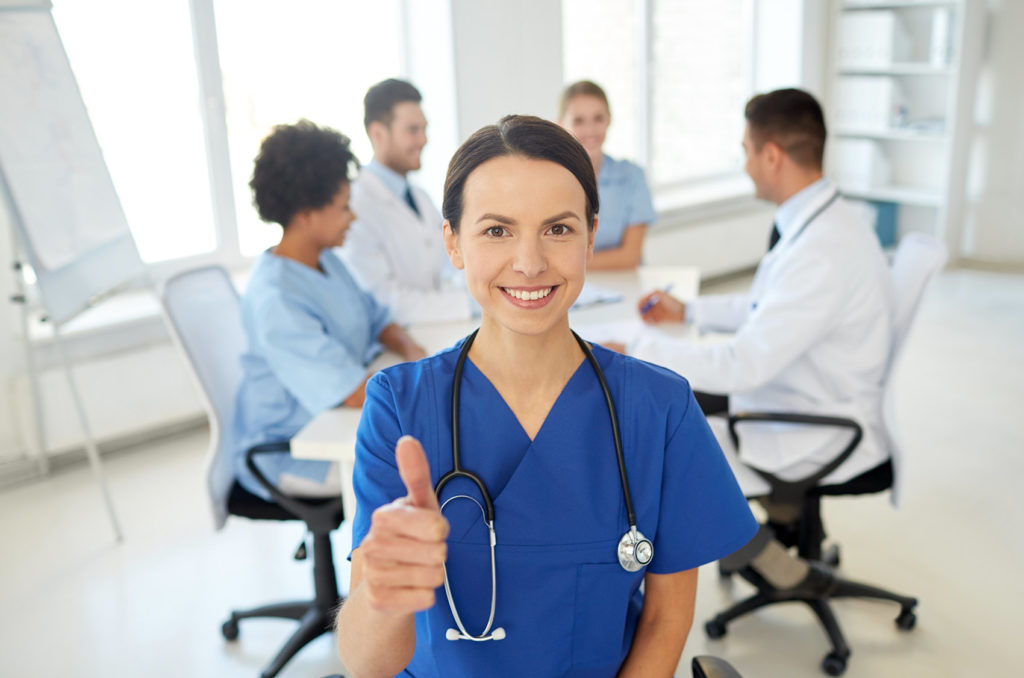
x=795, y=506
x=204, y=314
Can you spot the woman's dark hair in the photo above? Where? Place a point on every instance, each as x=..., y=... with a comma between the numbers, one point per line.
x=299, y=167
x=582, y=88
x=523, y=135
x=791, y=119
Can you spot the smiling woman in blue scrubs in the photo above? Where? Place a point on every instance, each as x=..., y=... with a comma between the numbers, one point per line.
x=310, y=329
x=535, y=427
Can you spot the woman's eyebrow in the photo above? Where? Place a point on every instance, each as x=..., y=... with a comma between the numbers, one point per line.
x=568, y=214
x=501, y=219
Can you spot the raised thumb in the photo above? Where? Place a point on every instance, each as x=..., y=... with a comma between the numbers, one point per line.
x=415, y=472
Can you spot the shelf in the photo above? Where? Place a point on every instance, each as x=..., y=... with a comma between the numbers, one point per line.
x=898, y=194
x=893, y=134
x=897, y=69
x=897, y=4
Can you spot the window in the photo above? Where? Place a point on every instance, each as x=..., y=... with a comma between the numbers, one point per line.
x=316, y=60
x=677, y=73
x=278, y=62
x=145, y=111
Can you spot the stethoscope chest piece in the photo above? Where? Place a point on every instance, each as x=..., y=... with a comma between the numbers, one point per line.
x=635, y=550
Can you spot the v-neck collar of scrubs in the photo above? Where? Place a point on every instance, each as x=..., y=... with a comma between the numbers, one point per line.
x=576, y=434
x=569, y=385
x=321, y=273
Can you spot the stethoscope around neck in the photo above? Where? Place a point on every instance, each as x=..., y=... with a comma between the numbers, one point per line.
x=634, y=550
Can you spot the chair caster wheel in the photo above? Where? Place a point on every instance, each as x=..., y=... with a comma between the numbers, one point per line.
x=834, y=664
x=906, y=621
x=831, y=556
x=714, y=629
x=230, y=629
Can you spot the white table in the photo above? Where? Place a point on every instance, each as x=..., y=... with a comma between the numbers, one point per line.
x=331, y=435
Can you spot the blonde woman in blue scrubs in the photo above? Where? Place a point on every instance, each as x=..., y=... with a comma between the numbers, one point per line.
x=626, y=206
x=443, y=586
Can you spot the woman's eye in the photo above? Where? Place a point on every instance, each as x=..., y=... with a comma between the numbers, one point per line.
x=560, y=229
x=495, y=231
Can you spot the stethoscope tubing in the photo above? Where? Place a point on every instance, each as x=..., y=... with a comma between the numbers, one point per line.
x=457, y=470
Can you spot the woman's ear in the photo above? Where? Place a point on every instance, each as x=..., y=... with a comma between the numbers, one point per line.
x=451, y=245
x=590, y=240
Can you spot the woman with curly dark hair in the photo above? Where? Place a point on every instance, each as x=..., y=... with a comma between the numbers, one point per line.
x=311, y=329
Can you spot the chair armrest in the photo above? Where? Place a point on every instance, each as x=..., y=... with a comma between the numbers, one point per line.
x=300, y=508
x=785, y=490
x=713, y=667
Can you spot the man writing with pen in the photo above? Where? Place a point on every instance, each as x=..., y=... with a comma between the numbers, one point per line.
x=812, y=335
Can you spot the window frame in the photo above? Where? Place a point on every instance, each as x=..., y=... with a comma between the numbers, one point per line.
x=645, y=102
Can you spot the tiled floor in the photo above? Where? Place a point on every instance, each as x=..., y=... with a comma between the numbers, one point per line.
x=72, y=602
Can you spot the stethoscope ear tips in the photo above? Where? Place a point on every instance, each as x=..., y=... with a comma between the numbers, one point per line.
x=452, y=634
x=498, y=634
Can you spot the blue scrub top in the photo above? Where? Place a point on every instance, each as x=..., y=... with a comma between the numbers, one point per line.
x=625, y=200
x=566, y=604
x=310, y=336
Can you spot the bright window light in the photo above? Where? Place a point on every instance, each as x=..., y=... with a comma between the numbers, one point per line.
x=135, y=67
x=677, y=73
x=309, y=59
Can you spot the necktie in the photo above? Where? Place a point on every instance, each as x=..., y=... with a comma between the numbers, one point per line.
x=409, y=201
x=774, y=237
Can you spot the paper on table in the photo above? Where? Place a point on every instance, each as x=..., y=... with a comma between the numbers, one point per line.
x=592, y=296
x=685, y=281
x=625, y=331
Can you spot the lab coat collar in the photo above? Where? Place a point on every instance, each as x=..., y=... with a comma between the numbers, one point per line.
x=792, y=215
x=392, y=180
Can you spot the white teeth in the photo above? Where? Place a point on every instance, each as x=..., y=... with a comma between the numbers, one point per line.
x=528, y=296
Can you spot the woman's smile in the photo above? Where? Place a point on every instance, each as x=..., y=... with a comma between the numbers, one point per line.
x=529, y=297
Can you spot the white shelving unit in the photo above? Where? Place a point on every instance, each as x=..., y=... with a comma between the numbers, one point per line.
x=900, y=96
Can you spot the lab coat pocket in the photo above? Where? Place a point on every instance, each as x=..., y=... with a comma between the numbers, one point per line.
x=602, y=600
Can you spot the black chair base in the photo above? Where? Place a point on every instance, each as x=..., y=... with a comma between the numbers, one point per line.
x=316, y=616
x=313, y=623
x=834, y=663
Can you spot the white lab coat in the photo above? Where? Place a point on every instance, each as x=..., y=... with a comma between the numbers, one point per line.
x=812, y=336
x=399, y=256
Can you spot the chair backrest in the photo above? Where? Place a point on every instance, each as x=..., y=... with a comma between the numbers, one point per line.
x=205, y=317
x=918, y=258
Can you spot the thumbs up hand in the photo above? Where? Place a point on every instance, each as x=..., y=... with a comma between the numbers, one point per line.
x=405, y=549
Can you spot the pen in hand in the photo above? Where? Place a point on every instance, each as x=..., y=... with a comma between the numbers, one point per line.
x=653, y=301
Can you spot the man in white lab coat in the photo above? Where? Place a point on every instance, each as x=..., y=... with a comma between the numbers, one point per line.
x=813, y=335
x=395, y=246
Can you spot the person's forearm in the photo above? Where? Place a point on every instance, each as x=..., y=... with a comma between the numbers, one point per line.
x=657, y=645
x=372, y=643
x=626, y=256
x=397, y=340
x=357, y=397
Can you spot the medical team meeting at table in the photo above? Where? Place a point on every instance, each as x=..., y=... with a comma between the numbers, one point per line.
x=526, y=501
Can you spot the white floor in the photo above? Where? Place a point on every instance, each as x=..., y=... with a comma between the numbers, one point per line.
x=72, y=602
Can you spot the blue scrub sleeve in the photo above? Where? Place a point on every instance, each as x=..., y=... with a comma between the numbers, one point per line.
x=704, y=515
x=380, y=315
x=375, y=479
x=317, y=369
x=641, y=206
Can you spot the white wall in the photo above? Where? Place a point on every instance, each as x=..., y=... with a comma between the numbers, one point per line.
x=994, y=229
x=508, y=59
